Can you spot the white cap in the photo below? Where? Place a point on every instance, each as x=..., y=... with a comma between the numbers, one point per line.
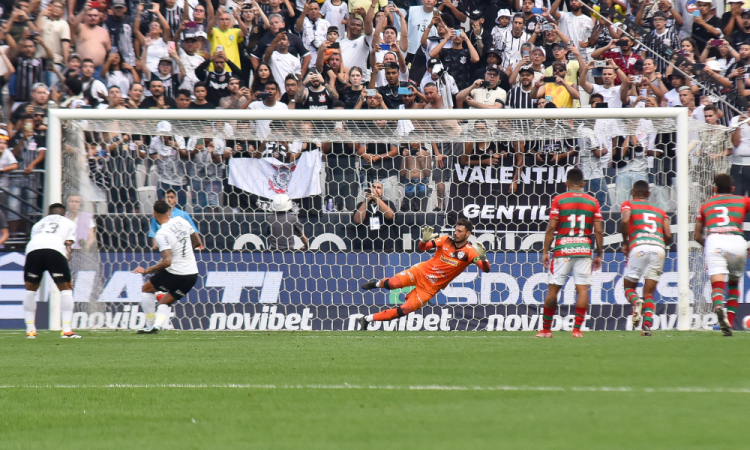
x=281, y=203
x=501, y=13
x=713, y=65
x=163, y=127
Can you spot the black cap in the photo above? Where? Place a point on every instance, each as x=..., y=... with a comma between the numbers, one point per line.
x=492, y=67
x=676, y=74
x=333, y=30
x=433, y=61
x=526, y=69
x=476, y=14
x=745, y=12
x=495, y=51
x=559, y=44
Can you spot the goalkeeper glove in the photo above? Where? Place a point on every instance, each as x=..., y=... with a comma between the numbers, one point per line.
x=427, y=234
x=481, y=251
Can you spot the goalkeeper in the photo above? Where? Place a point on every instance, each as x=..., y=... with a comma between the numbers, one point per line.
x=453, y=254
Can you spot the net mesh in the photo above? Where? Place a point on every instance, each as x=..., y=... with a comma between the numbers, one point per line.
x=501, y=174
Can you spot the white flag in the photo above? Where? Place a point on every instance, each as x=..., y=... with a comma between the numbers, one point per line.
x=268, y=177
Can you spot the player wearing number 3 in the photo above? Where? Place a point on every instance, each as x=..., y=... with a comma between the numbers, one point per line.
x=574, y=216
x=177, y=271
x=453, y=254
x=645, y=234
x=725, y=247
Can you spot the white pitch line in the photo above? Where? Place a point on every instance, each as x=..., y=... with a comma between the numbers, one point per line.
x=347, y=386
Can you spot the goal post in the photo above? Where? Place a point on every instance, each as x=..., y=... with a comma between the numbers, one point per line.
x=430, y=125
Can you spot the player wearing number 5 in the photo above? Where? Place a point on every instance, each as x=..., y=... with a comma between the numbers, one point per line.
x=645, y=236
x=725, y=247
x=574, y=215
x=177, y=271
x=49, y=251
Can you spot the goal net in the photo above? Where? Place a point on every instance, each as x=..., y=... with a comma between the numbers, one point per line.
x=500, y=169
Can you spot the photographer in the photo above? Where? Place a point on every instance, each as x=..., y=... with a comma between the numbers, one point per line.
x=377, y=215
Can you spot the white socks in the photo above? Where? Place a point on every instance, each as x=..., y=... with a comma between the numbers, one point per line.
x=378, y=284
x=162, y=315
x=66, y=310
x=148, y=305
x=29, y=310
x=370, y=317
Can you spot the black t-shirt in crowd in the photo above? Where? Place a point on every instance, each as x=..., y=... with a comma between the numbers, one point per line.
x=455, y=62
x=316, y=100
x=702, y=36
x=150, y=103
x=206, y=105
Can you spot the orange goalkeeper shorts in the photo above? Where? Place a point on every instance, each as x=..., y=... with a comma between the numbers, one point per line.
x=422, y=293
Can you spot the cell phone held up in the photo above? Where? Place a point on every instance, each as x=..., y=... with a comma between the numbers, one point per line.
x=485, y=85
x=335, y=45
x=600, y=64
x=715, y=42
x=372, y=92
x=601, y=105
x=264, y=95
x=550, y=79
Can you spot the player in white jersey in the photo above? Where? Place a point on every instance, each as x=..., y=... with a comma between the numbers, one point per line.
x=177, y=271
x=48, y=251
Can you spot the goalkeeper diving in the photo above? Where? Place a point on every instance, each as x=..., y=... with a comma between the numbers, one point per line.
x=453, y=254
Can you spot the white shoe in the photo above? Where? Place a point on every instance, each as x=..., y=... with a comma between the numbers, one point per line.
x=637, y=312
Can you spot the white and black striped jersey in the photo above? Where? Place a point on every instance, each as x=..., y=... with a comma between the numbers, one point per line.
x=520, y=99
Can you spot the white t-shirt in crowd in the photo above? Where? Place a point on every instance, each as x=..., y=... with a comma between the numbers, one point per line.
x=355, y=52
x=335, y=15
x=742, y=150
x=577, y=28
x=418, y=22
x=263, y=127
x=156, y=50
x=175, y=235
x=189, y=62
x=52, y=232
x=611, y=96
x=282, y=64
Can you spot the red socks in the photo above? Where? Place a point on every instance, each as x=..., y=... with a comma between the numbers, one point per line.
x=649, y=307
x=718, y=288
x=547, y=317
x=733, y=299
x=580, y=317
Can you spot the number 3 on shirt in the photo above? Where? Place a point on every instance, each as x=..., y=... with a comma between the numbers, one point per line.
x=582, y=221
x=724, y=215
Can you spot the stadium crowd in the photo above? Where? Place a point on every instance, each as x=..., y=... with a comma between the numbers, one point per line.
x=363, y=54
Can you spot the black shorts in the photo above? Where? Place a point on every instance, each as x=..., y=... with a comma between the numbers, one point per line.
x=46, y=259
x=177, y=285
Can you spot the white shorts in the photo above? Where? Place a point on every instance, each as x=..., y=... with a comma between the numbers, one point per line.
x=726, y=254
x=561, y=268
x=645, y=260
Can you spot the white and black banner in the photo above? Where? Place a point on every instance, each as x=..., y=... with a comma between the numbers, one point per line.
x=268, y=177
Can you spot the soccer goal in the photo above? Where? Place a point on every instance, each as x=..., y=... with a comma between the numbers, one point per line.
x=499, y=168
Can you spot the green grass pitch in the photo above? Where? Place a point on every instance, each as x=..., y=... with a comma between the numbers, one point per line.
x=374, y=390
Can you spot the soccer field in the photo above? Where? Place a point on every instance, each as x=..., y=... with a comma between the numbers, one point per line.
x=321, y=390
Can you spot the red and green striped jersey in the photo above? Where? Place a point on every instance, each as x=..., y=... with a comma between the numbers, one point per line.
x=646, y=225
x=724, y=214
x=576, y=213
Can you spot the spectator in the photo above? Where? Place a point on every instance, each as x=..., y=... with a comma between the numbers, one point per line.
x=594, y=150
x=621, y=52
x=94, y=91
x=706, y=26
x=342, y=174
x=443, y=82
x=170, y=81
x=208, y=161
x=485, y=152
x=85, y=224
x=375, y=217
x=281, y=62
x=29, y=70
x=614, y=96
x=226, y=37
x=291, y=83
x=168, y=151
x=502, y=26
x=534, y=58
x=666, y=36
x=114, y=99
x=740, y=159
x=29, y=145
x=217, y=80
x=651, y=9
x=486, y=93
x=631, y=160
x=183, y=99
x=267, y=101
x=456, y=57
x=561, y=92
x=530, y=19
x=389, y=92
x=336, y=13
x=201, y=93
x=387, y=35
x=157, y=99
x=119, y=25
x=573, y=23
x=262, y=76
x=741, y=30
x=155, y=44
x=19, y=22
x=170, y=196
x=317, y=95
x=283, y=225
x=39, y=98
x=296, y=47
x=191, y=58
x=92, y=40
x=512, y=41
x=493, y=57
x=553, y=151
x=672, y=97
x=355, y=47
x=135, y=94
x=415, y=175
x=124, y=156
x=119, y=73
x=313, y=29
x=381, y=162
x=479, y=37
x=55, y=33
x=521, y=95
x=421, y=18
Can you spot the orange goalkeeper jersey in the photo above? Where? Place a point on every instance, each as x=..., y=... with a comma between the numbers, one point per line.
x=447, y=263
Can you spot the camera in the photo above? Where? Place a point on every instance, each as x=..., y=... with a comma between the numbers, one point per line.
x=437, y=69
x=600, y=64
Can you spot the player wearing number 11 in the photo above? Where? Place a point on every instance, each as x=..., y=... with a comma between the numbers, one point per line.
x=574, y=215
x=725, y=247
x=177, y=271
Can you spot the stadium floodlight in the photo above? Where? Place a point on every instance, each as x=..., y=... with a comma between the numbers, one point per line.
x=70, y=132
